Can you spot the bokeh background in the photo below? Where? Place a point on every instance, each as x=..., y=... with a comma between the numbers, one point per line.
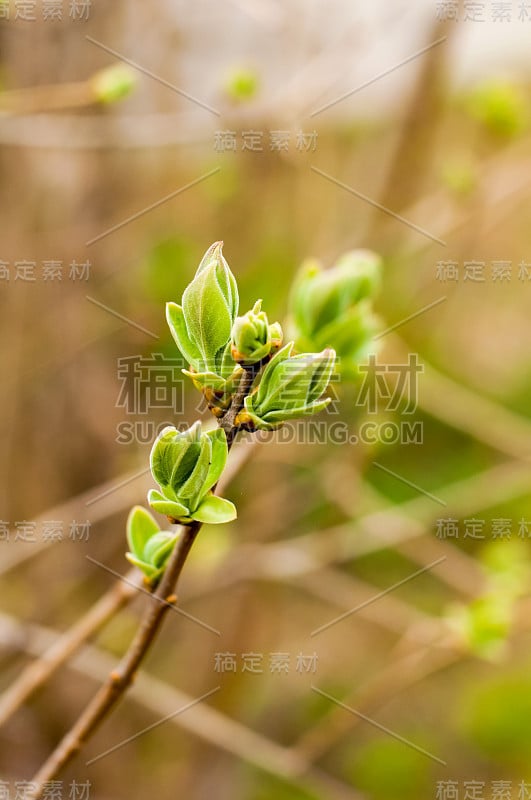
x=426, y=161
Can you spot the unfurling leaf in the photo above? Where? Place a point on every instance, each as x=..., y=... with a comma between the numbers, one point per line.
x=332, y=308
x=186, y=465
x=253, y=338
x=150, y=547
x=201, y=327
x=290, y=387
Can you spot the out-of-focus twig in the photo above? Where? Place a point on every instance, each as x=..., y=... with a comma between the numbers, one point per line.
x=458, y=570
x=405, y=522
x=466, y=410
x=412, y=154
x=440, y=652
x=396, y=677
x=47, y=98
x=201, y=720
x=39, y=672
x=105, y=86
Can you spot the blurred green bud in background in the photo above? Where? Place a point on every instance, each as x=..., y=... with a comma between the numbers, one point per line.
x=290, y=387
x=113, y=83
x=459, y=176
x=241, y=84
x=500, y=106
x=484, y=625
x=333, y=307
x=507, y=566
x=253, y=338
x=186, y=465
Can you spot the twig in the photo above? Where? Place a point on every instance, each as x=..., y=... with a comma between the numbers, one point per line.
x=121, y=678
x=38, y=672
x=244, y=387
x=466, y=410
x=120, y=594
x=48, y=98
x=201, y=720
x=414, y=149
x=384, y=686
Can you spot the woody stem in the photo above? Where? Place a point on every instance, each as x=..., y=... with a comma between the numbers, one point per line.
x=244, y=388
x=161, y=600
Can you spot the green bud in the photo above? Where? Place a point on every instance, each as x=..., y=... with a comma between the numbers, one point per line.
x=202, y=325
x=459, y=176
x=253, y=338
x=186, y=465
x=242, y=84
x=483, y=626
x=290, y=387
x=507, y=567
x=113, y=83
x=149, y=547
x=501, y=107
x=333, y=307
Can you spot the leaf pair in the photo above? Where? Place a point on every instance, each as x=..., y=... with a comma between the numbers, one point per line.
x=202, y=325
x=186, y=465
x=149, y=547
x=290, y=387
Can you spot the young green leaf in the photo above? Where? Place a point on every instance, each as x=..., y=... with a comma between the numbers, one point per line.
x=215, y=510
x=179, y=331
x=147, y=569
x=219, y=456
x=140, y=528
x=193, y=487
x=170, y=508
x=159, y=547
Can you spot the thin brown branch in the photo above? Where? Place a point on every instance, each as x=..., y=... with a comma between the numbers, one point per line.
x=201, y=720
x=58, y=97
x=121, y=678
x=397, y=677
x=244, y=388
x=39, y=672
x=36, y=674
x=401, y=674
